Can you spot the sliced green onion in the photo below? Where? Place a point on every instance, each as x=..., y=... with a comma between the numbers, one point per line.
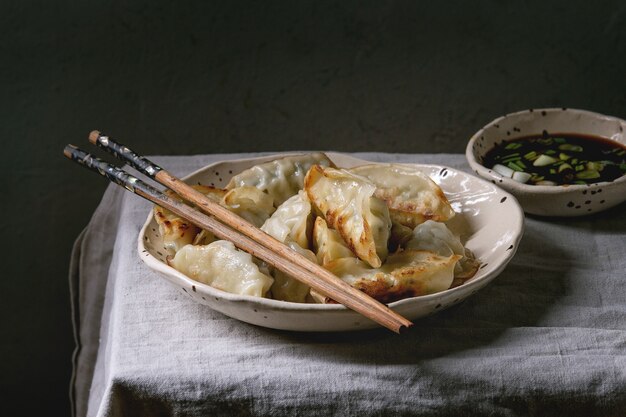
x=552, y=171
x=502, y=170
x=580, y=182
x=621, y=153
x=514, y=167
x=544, y=160
x=594, y=166
x=564, y=156
x=574, y=161
x=522, y=177
x=513, y=145
x=570, y=147
x=550, y=152
x=588, y=174
x=531, y=155
x=520, y=164
x=579, y=167
x=564, y=166
x=559, y=140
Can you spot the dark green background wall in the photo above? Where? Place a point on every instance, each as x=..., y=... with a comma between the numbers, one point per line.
x=206, y=77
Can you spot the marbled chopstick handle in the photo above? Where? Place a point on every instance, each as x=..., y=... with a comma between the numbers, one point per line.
x=112, y=173
x=122, y=152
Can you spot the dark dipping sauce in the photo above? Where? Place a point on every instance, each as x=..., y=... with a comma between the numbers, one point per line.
x=559, y=159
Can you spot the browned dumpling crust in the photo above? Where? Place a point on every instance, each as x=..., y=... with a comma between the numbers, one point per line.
x=348, y=205
x=412, y=197
x=178, y=232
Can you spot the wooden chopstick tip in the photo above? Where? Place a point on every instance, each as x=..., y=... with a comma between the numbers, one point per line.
x=93, y=136
x=404, y=328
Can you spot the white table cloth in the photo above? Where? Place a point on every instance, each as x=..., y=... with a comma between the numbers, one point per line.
x=547, y=337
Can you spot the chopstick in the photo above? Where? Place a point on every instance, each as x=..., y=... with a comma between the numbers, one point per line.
x=277, y=254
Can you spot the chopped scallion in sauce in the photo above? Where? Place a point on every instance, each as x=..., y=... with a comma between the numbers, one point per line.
x=559, y=159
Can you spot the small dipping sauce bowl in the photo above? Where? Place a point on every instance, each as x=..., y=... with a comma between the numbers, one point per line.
x=565, y=200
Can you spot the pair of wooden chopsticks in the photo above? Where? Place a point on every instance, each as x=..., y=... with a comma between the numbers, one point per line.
x=228, y=226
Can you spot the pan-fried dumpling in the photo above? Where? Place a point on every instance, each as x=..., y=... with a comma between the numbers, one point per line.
x=222, y=266
x=280, y=178
x=405, y=274
x=291, y=225
x=399, y=236
x=287, y=288
x=346, y=200
x=178, y=232
x=436, y=237
x=412, y=196
x=291, y=219
x=250, y=203
x=204, y=238
x=328, y=243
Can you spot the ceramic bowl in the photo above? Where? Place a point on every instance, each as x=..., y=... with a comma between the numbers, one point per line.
x=477, y=203
x=544, y=200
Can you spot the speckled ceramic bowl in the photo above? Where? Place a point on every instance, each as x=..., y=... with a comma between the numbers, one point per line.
x=477, y=203
x=561, y=200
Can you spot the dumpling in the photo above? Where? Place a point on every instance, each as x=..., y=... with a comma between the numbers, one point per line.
x=328, y=243
x=291, y=219
x=287, y=288
x=348, y=206
x=436, y=237
x=250, y=203
x=399, y=236
x=291, y=225
x=281, y=178
x=222, y=266
x=412, y=196
x=405, y=274
x=204, y=238
x=175, y=231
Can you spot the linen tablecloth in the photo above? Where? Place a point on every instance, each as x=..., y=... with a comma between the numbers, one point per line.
x=547, y=337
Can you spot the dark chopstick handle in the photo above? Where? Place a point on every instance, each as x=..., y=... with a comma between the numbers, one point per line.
x=122, y=152
x=111, y=172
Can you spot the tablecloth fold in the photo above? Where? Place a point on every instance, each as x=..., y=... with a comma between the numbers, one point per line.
x=547, y=337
